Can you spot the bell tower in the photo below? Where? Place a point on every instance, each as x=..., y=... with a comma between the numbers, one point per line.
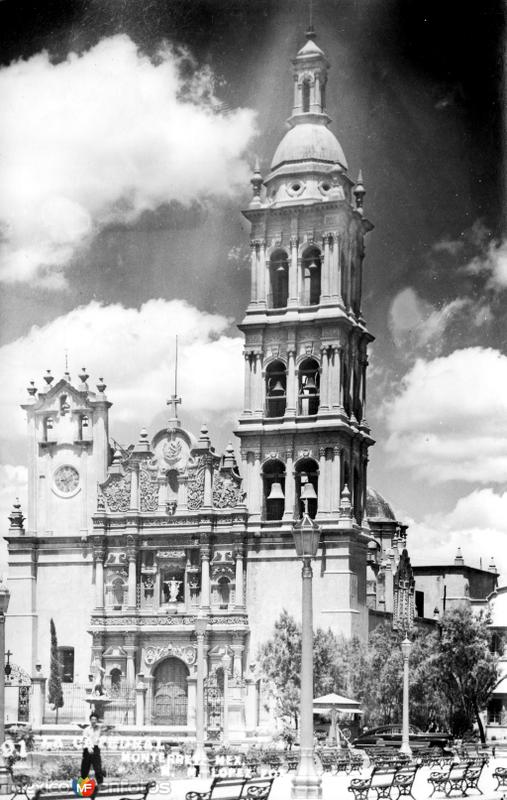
x=303, y=430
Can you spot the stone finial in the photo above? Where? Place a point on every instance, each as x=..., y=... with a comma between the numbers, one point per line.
x=359, y=192
x=345, y=504
x=48, y=377
x=16, y=517
x=67, y=377
x=101, y=386
x=492, y=565
x=256, y=181
x=229, y=459
x=143, y=445
x=116, y=467
x=32, y=390
x=459, y=560
x=83, y=377
x=204, y=437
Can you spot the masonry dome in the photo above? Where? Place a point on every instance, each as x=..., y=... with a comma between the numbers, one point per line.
x=377, y=506
x=309, y=142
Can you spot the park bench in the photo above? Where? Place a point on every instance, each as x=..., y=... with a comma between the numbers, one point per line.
x=500, y=775
x=380, y=781
x=404, y=780
x=117, y=789
x=234, y=789
x=459, y=777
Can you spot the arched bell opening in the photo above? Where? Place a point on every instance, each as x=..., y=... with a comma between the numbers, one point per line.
x=279, y=279
x=309, y=387
x=276, y=389
x=307, y=486
x=170, y=692
x=273, y=475
x=311, y=264
x=305, y=95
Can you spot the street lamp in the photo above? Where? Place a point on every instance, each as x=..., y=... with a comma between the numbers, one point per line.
x=406, y=647
x=4, y=605
x=306, y=784
x=226, y=663
x=200, y=756
x=403, y=620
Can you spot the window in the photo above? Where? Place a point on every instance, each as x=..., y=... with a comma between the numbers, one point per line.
x=311, y=266
x=419, y=604
x=274, y=489
x=118, y=591
x=305, y=95
x=115, y=676
x=66, y=659
x=224, y=592
x=279, y=278
x=309, y=382
x=276, y=386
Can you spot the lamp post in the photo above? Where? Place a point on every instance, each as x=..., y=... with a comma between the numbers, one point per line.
x=306, y=784
x=406, y=647
x=4, y=604
x=226, y=663
x=403, y=619
x=200, y=757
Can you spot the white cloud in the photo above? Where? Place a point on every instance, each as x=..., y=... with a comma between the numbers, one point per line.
x=414, y=323
x=448, y=421
x=493, y=262
x=476, y=524
x=102, y=137
x=133, y=350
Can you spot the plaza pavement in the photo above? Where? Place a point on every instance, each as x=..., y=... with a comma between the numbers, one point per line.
x=335, y=787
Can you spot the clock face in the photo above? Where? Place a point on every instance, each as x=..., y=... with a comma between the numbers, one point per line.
x=66, y=479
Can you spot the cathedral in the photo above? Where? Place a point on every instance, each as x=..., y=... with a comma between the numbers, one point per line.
x=124, y=546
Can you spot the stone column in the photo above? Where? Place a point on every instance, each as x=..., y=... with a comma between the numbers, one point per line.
x=238, y=649
x=336, y=483
x=132, y=558
x=130, y=650
x=141, y=689
x=248, y=384
x=290, y=486
x=261, y=273
x=290, y=410
x=324, y=379
x=251, y=711
x=337, y=290
x=134, y=488
x=240, y=588
x=258, y=391
x=253, y=271
x=205, y=578
x=98, y=545
x=191, y=700
x=322, y=497
x=293, y=272
x=326, y=271
x=336, y=379
x=38, y=700
x=257, y=483
x=182, y=491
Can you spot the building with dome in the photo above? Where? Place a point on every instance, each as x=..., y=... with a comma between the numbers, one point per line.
x=125, y=547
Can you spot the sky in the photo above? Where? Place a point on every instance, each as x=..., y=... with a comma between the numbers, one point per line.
x=129, y=130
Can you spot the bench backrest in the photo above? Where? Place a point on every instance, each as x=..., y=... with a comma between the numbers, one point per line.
x=227, y=788
x=257, y=788
x=382, y=776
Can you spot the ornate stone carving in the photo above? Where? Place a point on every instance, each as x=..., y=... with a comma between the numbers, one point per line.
x=227, y=491
x=170, y=555
x=116, y=492
x=195, y=491
x=187, y=653
x=148, y=490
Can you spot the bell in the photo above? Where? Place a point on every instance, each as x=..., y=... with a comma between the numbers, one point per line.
x=276, y=492
x=277, y=388
x=312, y=266
x=310, y=386
x=308, y=492
x=280, y=267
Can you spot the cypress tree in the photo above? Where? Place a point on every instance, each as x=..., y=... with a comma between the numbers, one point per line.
x=55, y=694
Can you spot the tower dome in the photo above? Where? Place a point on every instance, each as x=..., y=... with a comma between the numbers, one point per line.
x=377, y=506
x=309, y=142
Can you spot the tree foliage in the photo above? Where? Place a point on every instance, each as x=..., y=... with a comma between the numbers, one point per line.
x=55, y=693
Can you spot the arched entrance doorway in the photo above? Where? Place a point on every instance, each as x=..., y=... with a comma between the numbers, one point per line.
x=170, y=693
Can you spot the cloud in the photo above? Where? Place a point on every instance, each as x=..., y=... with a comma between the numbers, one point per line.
x=448, y=420
x=101, y=138
x=133, y=350
x=416, y=324
x=492, y=263
x=476, y=524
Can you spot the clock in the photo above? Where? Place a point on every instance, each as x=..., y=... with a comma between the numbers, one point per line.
x=66, y=479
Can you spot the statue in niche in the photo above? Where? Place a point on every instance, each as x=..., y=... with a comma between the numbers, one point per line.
x=172, y=589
